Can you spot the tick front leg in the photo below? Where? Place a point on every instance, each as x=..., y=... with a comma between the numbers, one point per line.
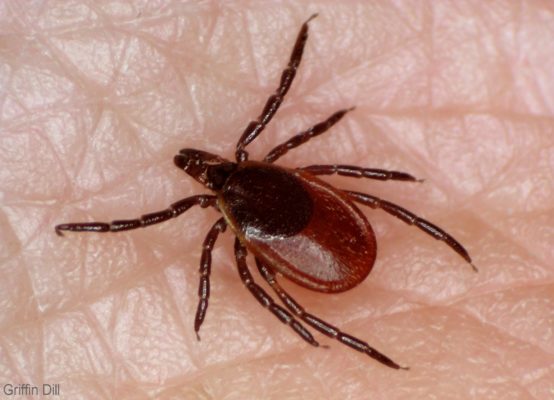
x=322, y=326
x=412, y=219
x=172, y=211
x=358, y=172
x=265, y=300
x=256, y=127
x=303, y=137
x=205, y=269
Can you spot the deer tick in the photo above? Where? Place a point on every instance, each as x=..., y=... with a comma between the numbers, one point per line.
x=294, y=224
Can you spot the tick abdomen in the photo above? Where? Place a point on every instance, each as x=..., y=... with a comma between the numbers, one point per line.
x=307, y=230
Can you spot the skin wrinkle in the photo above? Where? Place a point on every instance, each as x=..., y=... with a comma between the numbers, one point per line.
x=503, y=330
x=407, y=261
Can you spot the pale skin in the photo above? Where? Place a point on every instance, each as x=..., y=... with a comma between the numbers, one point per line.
x=97, y=100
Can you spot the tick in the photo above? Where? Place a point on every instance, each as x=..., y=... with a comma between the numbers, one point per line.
x=295, y=224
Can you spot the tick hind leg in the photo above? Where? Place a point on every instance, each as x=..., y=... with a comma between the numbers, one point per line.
x=272, y=104
x=412, y=219
x=322, y=326
x=265, y=300
x=205, y=269
x=172, y=211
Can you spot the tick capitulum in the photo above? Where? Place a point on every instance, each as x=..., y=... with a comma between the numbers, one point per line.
x=294, y=224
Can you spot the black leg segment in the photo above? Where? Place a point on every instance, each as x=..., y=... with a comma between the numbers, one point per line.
x=303, y=137
x=254, y=128
x=265, y=300
x=358, y=172
x=322, y=326
x=412, y=219
x=172, y=211
x=205, y=270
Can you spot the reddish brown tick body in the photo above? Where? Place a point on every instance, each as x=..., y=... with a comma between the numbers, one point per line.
x=299, y=225
x=294, y=224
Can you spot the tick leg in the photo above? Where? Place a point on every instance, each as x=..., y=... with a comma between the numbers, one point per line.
x=303, y=137
x=172, y=211
x=265, y=300
x=322, y=326
x=358, y=172
x=254, y=128
x=412, y=219
x=205, y=269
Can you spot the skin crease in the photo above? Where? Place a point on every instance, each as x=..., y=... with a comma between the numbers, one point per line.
x=98, y=97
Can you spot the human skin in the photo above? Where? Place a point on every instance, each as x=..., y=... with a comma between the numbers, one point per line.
x=98, y=97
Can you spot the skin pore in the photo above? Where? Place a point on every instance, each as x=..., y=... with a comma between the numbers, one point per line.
x=98, y=98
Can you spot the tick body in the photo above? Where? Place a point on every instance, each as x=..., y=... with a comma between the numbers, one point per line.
x=294, y=224
x=304, y=228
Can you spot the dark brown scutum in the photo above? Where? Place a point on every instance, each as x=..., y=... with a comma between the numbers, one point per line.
x=265, y=200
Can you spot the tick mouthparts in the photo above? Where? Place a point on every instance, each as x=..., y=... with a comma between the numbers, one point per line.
x=181, y=161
